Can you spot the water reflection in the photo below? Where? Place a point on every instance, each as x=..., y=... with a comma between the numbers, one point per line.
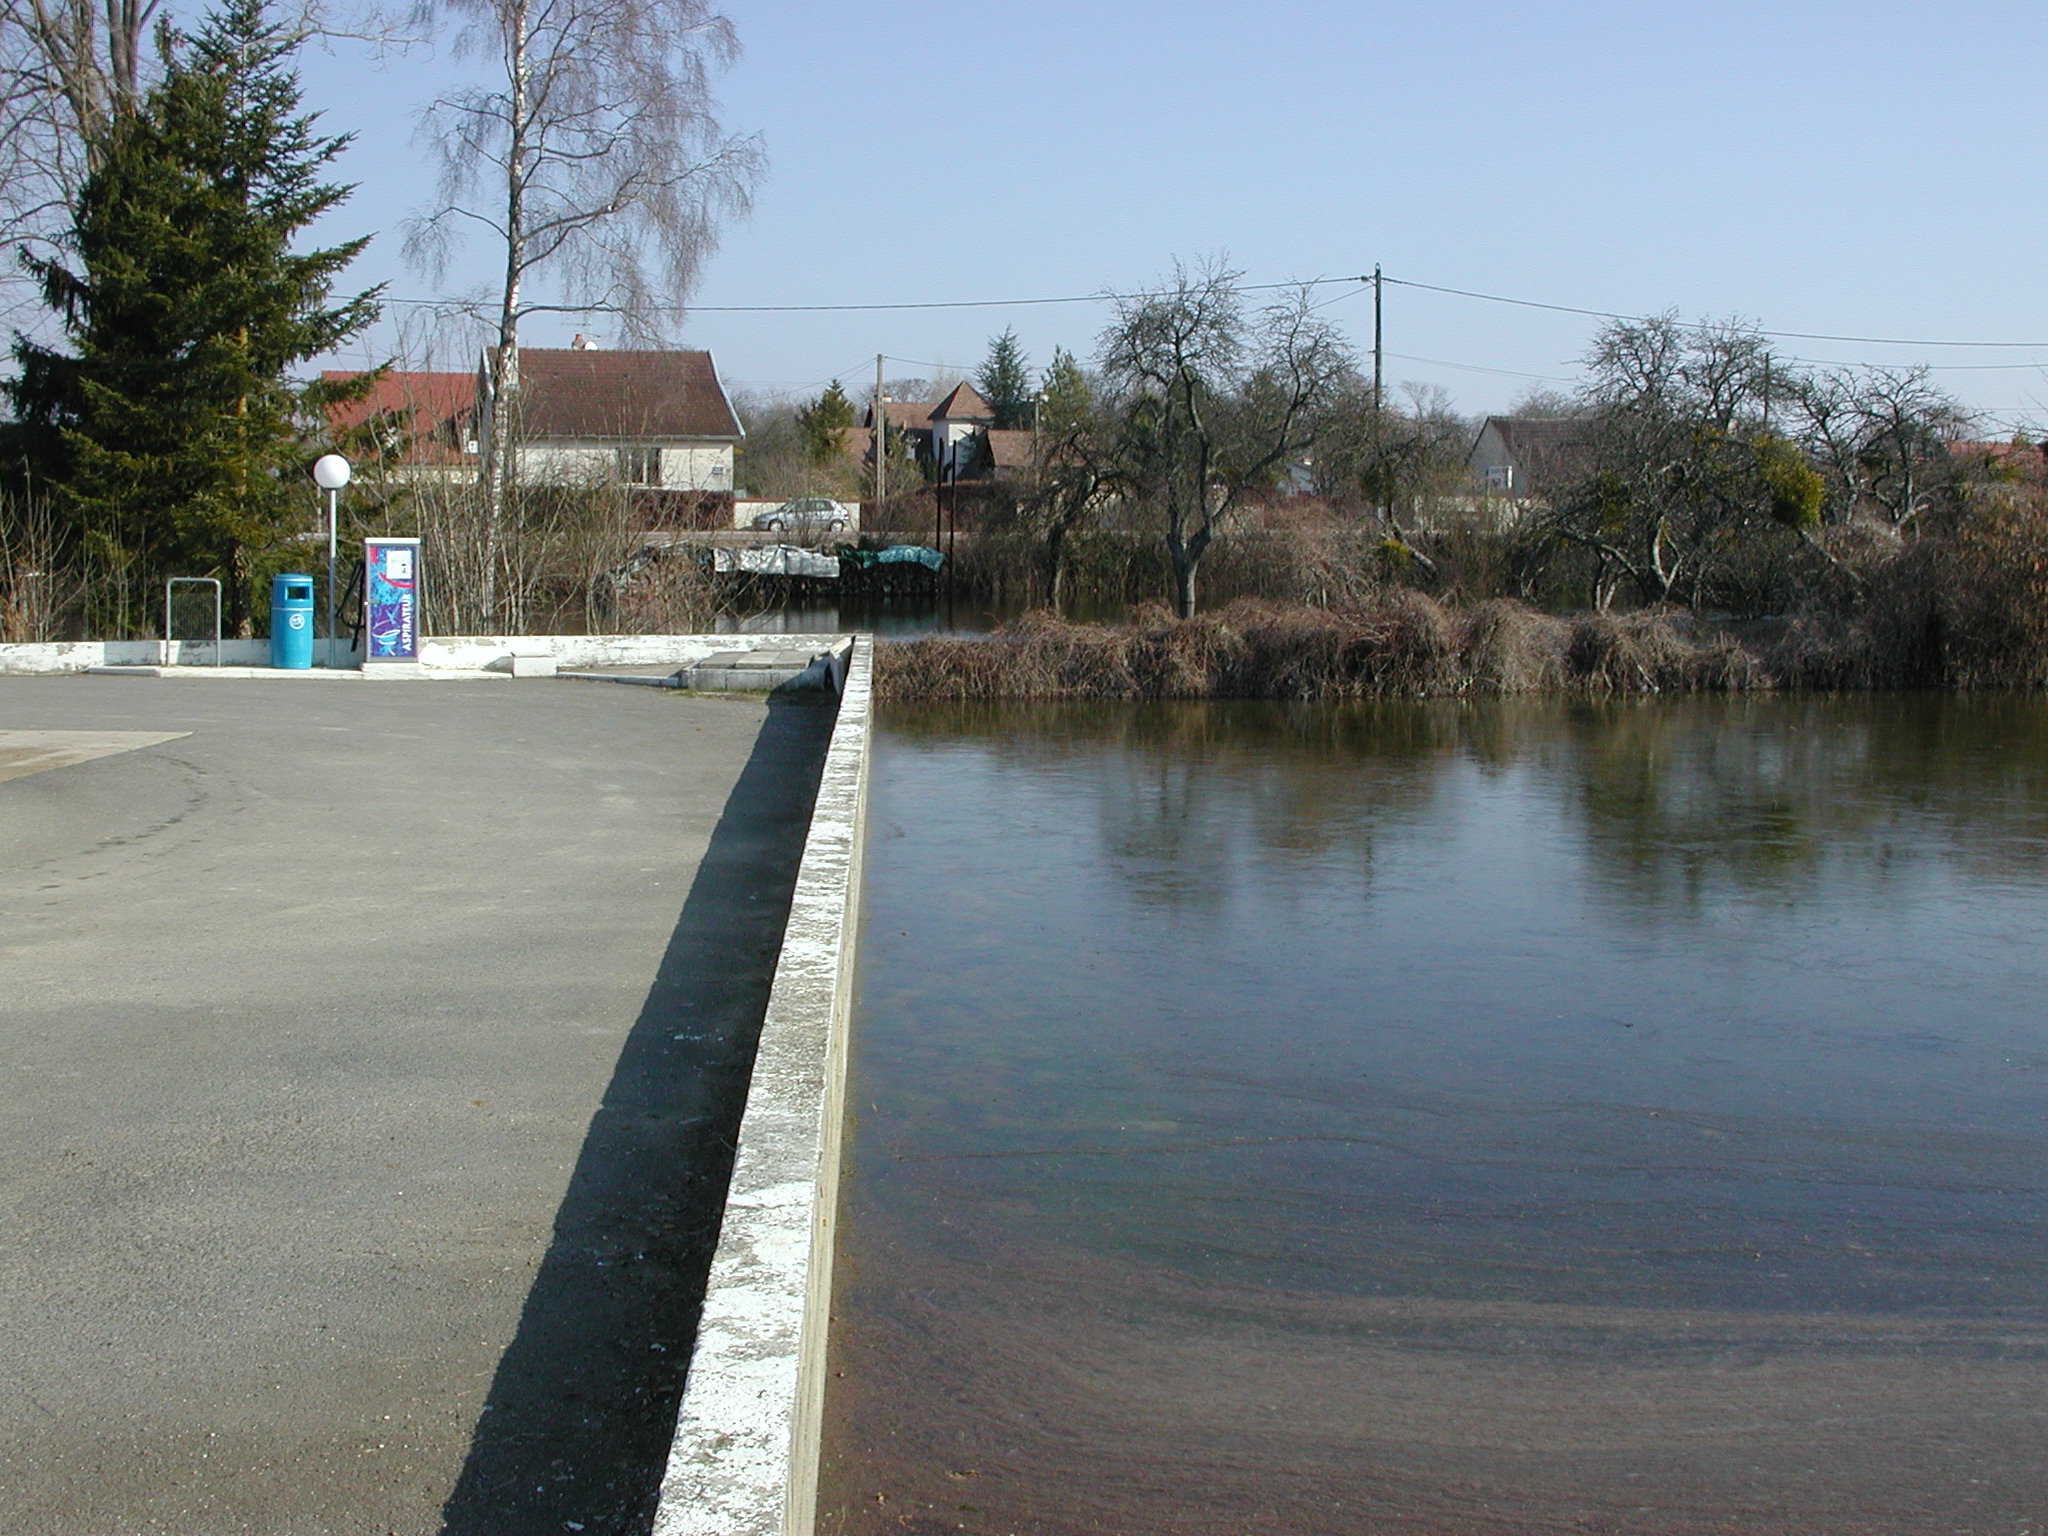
x=1188, y=798
x=898, y=616
x=1674, y=800
x=1681, y=800
x=1465, y=1112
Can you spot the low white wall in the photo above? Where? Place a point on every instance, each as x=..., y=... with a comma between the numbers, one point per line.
x=456, y=653
x=476, y=653
x=745, y=1457
x=81, y=655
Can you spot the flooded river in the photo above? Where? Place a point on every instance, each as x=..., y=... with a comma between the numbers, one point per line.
x=1450, y=1118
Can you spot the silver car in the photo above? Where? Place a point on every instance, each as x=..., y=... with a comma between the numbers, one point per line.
x=806, y=514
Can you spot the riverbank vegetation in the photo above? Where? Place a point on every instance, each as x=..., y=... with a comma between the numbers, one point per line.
x=1703, y=514
x=1964, y=608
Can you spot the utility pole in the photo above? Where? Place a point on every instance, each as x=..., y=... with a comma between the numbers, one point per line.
x=1378, y=284
x=879, y=439
x=1379, y=419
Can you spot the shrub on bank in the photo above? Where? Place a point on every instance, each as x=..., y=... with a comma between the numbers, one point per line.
x=1658, y=652
x=1990, y=610
x=1962, y=604
x=1403, y=644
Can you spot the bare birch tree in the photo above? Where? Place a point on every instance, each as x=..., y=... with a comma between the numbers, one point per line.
x=71, y=69
x=594, y=156
x=68, y=69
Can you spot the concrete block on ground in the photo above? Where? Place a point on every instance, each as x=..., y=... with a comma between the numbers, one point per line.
x=526, y=661
x=758, y=670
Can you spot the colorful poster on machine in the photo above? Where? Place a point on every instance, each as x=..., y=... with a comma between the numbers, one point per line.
x=391, y=600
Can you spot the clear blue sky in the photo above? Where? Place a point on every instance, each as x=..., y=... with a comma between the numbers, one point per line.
x=1864, y=169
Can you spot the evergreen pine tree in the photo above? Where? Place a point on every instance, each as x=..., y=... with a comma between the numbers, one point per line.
x=1067, y=399
x=823, y=424
x=1005, y=381
x=169, y=434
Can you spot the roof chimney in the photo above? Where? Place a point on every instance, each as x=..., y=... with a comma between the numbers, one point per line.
x=583, y=343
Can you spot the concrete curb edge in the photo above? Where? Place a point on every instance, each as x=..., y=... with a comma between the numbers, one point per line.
x=440, y=655
x=744, y=1461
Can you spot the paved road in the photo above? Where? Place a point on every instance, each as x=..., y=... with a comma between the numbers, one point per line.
x=368, y=1056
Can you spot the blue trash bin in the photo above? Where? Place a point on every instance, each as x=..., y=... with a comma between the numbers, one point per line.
x=291, y=621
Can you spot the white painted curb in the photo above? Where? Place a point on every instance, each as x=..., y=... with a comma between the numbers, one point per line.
x=745, y=1457
x=440, y=655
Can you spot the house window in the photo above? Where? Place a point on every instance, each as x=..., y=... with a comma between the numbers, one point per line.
x=640, y=466
x=1500, y=477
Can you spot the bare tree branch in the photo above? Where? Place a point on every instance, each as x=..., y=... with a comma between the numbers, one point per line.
x=599, y=153
x=69, y=69
x=1209, y=404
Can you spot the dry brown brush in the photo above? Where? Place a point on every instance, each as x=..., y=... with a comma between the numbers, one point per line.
x=1658, y=652
x=1401, y=644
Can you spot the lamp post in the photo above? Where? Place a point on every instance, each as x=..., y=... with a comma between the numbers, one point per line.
x=330, y=473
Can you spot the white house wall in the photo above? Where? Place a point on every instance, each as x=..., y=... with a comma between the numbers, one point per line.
x=697, y=469
x=1488, y=455
x=566, y=464
x=692, y=467
x=952, y=443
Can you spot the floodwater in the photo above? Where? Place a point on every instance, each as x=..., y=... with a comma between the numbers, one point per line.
x=894, y=618
x=1450, y=1119
x=899, y=618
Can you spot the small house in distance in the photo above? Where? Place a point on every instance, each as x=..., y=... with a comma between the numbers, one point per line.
x=1005, y=453
x=945, y=434
x=1517, y=456
x=657, y=420
x=2012, y=459
x=422, y=424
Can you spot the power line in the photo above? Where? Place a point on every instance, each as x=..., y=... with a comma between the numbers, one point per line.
x=1353, y=286
x=786, y=388
x=1111, y=296
x=1512, y=373
x=912, y=362
x=1608, y=314
x=843, y=309
x=1961, y=367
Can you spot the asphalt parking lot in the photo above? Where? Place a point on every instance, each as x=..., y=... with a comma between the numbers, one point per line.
x=369, y=1059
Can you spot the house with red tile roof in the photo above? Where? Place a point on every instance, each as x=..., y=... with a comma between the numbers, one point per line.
x=1006, y=453
x=2008, y=459
x=415, y=421
x=650, y=419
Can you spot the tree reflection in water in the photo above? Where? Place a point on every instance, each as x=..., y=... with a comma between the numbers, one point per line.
x=1480, y=1115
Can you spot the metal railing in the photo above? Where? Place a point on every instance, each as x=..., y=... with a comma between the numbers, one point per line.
x=171, y=642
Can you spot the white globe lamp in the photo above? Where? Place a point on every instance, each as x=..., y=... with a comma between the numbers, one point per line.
x=330, y=473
